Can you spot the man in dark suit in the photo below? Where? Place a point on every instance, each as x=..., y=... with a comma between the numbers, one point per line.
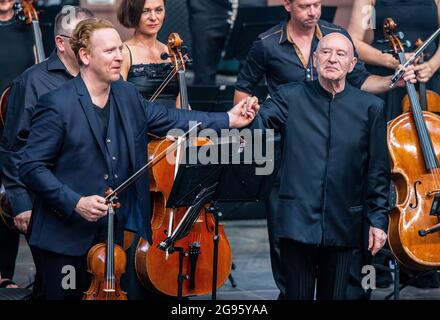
x=334, y=167
x=87, y=135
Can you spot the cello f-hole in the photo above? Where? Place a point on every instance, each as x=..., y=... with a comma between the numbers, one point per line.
x=412, y=206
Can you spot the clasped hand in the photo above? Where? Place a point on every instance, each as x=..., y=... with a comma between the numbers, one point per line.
x=243, y=113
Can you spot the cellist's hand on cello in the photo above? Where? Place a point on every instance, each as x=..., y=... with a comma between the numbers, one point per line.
x=376, y=240
x=244, y=112
x=425, y=71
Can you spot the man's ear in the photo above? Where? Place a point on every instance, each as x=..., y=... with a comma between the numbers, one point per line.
x=84, y=56
x=59, y=43
x=352, y=64
x=288, y=5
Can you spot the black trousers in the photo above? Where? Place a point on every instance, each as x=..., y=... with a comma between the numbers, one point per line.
x=274, y=241
x=9, y=240
x=208, y=22
x=65, y=277
x=49, y=284
x=306, y=266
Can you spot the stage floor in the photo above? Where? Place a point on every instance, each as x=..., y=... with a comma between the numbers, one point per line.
x=250, y=248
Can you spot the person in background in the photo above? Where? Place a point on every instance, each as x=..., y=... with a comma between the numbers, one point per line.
x=26, y=89
x=210, y=22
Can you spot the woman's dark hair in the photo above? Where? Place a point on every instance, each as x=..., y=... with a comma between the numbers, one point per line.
x=130, y=11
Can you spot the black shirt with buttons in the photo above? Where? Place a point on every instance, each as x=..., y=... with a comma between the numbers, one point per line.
x=116, y=157
x=275, y=56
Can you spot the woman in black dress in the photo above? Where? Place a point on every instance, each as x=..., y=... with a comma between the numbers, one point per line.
x=143, y=65
x=416, y=19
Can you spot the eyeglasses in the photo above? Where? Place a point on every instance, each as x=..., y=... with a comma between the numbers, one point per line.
x=65, y=36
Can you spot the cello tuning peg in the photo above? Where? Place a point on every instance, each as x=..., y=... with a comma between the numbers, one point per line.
x=407, y=44
x=401, y=35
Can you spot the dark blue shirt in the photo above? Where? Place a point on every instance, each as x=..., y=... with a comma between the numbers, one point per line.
x=26, y=89
x=276, y=58
x=117, y=161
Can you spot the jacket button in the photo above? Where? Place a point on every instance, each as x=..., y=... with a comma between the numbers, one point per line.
x=106, y=177
x=116, y=176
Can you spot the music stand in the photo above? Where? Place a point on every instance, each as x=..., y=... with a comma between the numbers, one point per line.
x=252, y=21
x=198, y=184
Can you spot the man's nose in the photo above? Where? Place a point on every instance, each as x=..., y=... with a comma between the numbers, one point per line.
x=333, y=57
x=312, y=11
x=119, y=56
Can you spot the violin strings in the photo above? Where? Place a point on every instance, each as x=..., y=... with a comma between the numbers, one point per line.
x=167, y=80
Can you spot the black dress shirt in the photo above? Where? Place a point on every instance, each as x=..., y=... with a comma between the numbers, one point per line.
x=17, y=54
x=274, y=56
x=335, y=163
x=26, y=89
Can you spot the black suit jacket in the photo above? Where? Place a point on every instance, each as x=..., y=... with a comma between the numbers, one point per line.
x=64, y=160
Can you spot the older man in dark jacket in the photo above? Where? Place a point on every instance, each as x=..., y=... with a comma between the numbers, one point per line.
x=334, y=168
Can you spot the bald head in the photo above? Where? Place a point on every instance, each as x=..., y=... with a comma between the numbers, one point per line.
x=334, y=57
x=339, y=40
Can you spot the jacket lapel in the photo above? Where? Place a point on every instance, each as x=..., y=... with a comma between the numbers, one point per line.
x=128, y=130
x=86, y=104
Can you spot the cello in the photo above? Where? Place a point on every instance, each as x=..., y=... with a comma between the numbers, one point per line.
x=156, y=268
x=106, y=262
x=413, y=140
x=26, y=12
x=429, y=100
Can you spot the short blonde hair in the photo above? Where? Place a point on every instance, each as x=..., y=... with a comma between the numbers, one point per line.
x=82, y=35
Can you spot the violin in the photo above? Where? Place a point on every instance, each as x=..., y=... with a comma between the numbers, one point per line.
x=167, y=271
x=26, y=12
x=413, y=140
x=429, y=100
x=106, y=262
